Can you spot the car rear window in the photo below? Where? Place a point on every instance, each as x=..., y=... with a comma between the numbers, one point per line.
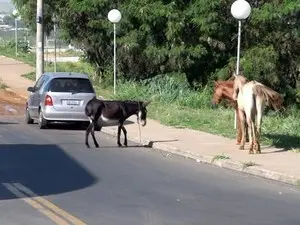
x=77, y=85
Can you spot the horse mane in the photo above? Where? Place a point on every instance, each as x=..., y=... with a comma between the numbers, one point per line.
x=272, y=97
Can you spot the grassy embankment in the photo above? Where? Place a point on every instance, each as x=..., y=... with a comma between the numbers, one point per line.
x=2, y=85
x=176, y=105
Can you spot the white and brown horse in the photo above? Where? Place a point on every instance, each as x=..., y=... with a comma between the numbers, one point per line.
x=252, y=98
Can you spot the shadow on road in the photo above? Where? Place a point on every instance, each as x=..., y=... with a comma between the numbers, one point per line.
x=77, y=126
x=45, y=169
x=7, y=123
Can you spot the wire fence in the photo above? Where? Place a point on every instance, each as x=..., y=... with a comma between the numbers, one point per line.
x=23, y=34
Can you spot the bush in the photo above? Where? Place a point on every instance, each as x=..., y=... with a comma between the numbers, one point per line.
x=165, y=89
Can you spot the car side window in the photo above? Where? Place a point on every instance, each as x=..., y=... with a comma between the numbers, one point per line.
x=44, y=83
x=39, y=83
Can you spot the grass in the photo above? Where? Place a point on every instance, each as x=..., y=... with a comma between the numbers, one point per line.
x=249, y=164
x=30, y=76
x=2, y=85
x=174, y=104
x=219, y=157
x=179, y=107
x=28, y=58
x=67, y=53
x=295, y=150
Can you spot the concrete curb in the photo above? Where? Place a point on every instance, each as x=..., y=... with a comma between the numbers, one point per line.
x=223, y=163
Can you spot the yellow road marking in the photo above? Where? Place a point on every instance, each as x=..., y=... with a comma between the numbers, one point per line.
x=42, y=205
x=49, y=205
x=35, y=205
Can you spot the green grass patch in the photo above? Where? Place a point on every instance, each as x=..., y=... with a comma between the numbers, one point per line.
x=30, y=76
x=219, y=157
x=295, y=150
x=67, y=53
x=2, y=85
x=249, y=164
x=28, y=58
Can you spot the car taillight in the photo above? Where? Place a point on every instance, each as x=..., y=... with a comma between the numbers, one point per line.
x=48, y=101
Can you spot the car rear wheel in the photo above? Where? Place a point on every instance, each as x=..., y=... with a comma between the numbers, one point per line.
x=42, y=121
x=28, y=119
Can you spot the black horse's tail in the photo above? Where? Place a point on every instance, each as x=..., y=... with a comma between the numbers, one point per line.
x=89, y=107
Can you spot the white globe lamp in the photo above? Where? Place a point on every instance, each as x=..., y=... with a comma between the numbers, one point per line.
x=16, y=14
x=240, y=9
x=114, y=16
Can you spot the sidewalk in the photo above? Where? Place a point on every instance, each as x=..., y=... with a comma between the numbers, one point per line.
x=10, y=74
x=273, y=163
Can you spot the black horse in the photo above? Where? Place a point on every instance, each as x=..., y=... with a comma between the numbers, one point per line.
x=103, y=110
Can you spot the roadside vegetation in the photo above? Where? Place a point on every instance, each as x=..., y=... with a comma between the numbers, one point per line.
x=175, y=104
x=2, y=85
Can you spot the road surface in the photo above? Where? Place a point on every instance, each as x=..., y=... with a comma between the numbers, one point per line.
x=50, y=177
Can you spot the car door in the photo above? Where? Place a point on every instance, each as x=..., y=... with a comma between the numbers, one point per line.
x=36, y=96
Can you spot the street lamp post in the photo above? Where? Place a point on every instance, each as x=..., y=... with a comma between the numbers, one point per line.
x=114, y=16
x=17, y=17
x=240, y=10
x=39, y=39
x=54, y=19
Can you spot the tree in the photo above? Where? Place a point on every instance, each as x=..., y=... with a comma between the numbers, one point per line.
x=27, y=10
x=9, y=20
x=194, y=38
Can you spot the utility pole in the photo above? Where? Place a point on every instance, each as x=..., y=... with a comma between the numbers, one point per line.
x=39, y=39
x=54, y=31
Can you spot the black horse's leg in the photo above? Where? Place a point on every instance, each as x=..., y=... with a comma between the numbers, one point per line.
x=125, y=135
x=119, y=134
x=94, y=121
x=87, y=132
x=93, y=136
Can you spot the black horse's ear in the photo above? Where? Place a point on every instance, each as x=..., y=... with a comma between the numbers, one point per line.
x=146, y=103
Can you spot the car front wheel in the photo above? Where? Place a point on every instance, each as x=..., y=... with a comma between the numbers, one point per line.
x=42, y=121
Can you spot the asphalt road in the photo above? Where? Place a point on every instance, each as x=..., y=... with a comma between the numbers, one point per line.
x=50, y=177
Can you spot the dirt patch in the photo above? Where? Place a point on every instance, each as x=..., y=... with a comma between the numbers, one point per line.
x=11, y=103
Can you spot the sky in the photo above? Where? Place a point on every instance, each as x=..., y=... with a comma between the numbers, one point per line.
x=6, y=5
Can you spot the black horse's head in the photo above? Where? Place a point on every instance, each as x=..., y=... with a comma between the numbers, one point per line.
x=142, y=112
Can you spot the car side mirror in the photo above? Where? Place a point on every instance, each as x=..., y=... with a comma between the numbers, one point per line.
x=31, y=89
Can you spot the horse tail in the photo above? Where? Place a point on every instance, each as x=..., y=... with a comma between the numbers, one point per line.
x=271, y=97
x=89, y=107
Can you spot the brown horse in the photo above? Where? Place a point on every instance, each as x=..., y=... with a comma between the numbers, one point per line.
x=223, y=89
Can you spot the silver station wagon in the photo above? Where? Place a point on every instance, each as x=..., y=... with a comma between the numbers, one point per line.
x=59, y=97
